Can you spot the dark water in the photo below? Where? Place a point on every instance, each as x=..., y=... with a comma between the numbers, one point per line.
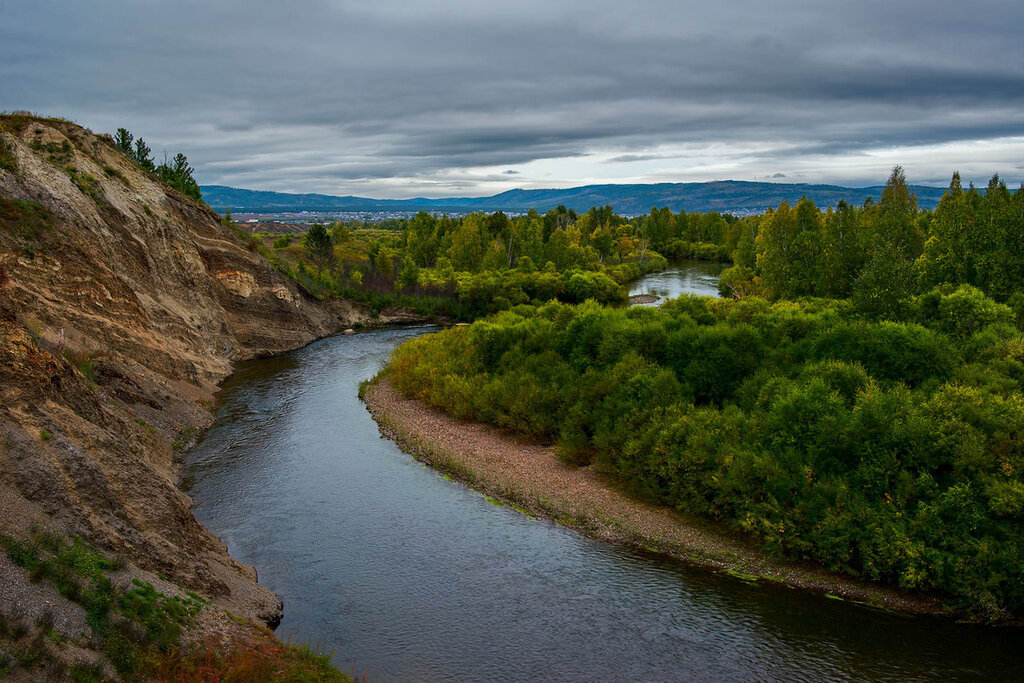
x=693, y=277
x=408, y=576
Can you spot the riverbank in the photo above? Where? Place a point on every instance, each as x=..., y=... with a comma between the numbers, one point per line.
x=123, y=306
x=534, y=480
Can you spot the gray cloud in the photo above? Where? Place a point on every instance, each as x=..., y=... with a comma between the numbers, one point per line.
x=392, y=99
x=629, y=158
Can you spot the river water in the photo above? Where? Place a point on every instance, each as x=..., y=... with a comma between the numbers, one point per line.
x=692, y=277
x=406, y=575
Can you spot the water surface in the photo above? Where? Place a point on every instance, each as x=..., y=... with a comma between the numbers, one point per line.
x=407, y=576
x=691, y=277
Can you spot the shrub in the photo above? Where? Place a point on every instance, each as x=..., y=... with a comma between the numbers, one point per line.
x=8, y=161
x=853, y=443
x=891, y=351
x=25, y=219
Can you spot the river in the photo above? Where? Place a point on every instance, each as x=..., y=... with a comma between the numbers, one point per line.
x=406, y=575
x=691, y=277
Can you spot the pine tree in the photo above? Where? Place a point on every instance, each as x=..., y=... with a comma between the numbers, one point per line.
x=143, y=155
x=319, y=247
x=123, y=139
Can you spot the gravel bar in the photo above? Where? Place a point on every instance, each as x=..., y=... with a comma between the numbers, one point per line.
x=532, y=478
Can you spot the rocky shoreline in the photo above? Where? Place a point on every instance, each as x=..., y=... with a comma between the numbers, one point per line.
x=643, y=299
x=534, y=480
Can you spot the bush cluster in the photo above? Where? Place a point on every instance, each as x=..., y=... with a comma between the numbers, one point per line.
x=886, y=450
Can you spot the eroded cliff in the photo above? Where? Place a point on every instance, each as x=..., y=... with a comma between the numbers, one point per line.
x=123, y=303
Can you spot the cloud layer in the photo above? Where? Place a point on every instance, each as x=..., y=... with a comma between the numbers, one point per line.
x=457, y=97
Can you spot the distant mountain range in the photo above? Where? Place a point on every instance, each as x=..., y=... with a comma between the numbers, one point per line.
x=726, y=196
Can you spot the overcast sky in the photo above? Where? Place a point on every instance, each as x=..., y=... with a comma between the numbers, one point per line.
x=387, y=98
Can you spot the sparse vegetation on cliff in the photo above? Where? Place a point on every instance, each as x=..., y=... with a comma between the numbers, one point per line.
x=139, y=629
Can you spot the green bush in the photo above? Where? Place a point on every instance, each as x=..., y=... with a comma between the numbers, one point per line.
x=8, y=161
x=884, y=450
x=902, y=352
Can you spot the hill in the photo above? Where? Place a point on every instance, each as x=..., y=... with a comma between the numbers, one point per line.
x=727, y=196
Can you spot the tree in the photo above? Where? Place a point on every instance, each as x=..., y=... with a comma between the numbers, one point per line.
x=603, y=240
x=660, y=226
x=319, y=247
x=143, y=155
x=745, y=254
x=179, y=176
x=624, y=247
x=558, y=249
x=947, y=254
x=842, y=251
x=384, y=262
x=710, y=228
x=421, y=240
x=339, y=233
x=887, y=281
x=410, y=273
x=500, y=227
x=774, y=249
x=894, y=223
x=467, y=248
x=805, y=270
x=529, y=236
x=558, y=217
x=123, y=139
x=1000, y=264
x=177, y=173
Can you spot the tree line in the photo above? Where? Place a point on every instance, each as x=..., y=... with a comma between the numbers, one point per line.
x=177, y=172
x=483, y=263
x=882, y=254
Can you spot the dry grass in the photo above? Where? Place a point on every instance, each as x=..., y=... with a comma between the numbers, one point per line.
x=257, y=656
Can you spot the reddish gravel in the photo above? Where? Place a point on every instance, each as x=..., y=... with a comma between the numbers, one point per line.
x=532, y=478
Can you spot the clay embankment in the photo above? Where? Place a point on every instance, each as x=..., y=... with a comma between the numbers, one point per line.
x=123, y=304
x=533, y=478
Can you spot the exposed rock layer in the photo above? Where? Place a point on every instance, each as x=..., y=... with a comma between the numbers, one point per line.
x=125, y=304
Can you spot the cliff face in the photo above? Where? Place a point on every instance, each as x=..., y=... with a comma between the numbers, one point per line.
x=122, y=304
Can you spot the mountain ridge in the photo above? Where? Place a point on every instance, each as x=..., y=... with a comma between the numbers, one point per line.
x=724, y=196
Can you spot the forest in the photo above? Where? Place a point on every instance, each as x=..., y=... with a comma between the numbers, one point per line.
x=855, y=399
x=462, y=268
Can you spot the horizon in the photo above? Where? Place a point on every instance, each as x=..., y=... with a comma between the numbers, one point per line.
x=639, y=184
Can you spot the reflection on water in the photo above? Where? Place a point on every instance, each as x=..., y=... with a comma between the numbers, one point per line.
x=408, y=576
x=693, y=277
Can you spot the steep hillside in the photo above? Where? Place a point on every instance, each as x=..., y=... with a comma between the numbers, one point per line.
x=122, y=304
